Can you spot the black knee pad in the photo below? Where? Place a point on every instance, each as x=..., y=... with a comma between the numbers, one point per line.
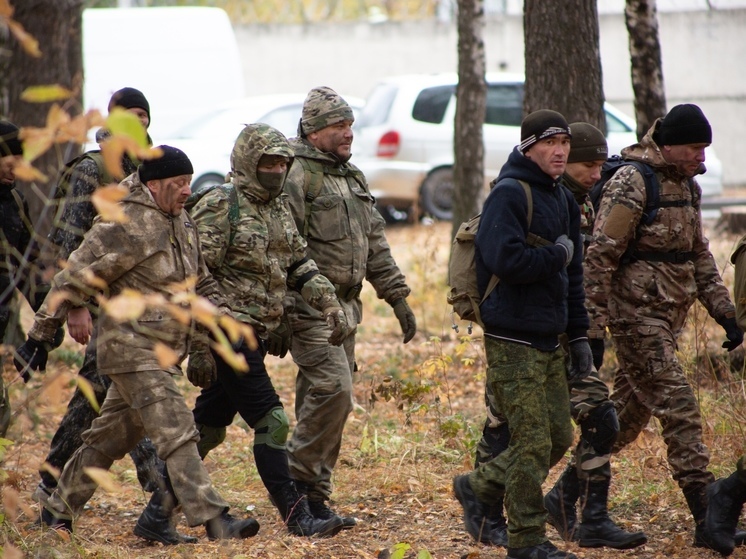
x=600, y=428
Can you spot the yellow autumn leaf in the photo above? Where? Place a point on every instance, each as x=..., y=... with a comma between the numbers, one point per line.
x=36, y=141
x=106, y=201
x=166, y=356
x=55, y=298
x=86, y=388
x=112, y=150
x=237, y=330
x=93, y=280
x=128, y=305
x=27, y=172
x=123, y=123
x=76, y=130
x=103, y=479
x=236, y=360
x=6, y=10
x=179, y=314
x=45, y=93
x=186, y=286
x=204, y=312
x=27, y=41
x=11, y=502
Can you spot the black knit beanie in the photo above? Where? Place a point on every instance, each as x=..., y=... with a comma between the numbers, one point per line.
x=129, y=98
x=684, y=124
x=588, y=143
x=9, y=142
x=542, y=124
x=173, y=163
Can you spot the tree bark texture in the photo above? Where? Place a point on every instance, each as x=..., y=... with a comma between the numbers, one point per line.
x=471, y=99
x=563, y=60
x=641, y=17
x=56, y=25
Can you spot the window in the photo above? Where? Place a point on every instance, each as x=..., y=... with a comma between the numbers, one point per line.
x=431, y=103
x=378, y=105
x=504, y=104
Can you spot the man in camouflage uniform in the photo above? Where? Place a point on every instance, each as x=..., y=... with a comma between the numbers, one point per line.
x=256, y=255
x=74, y=217
x=588, y=475
x=152, y=252
x=335, y=212
x=641, y=279
x=538, y=259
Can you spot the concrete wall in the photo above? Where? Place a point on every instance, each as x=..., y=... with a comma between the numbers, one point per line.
x=703, y=62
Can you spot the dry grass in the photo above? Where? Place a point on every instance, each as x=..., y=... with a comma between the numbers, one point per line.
x=399, y=454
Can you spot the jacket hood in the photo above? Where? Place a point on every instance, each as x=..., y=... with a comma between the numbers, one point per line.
x=521, y=168
x=254, y=141
x=303, y=148
x=139, y=193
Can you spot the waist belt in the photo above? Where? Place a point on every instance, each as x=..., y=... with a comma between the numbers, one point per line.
x=348, y=292
x=673, y=257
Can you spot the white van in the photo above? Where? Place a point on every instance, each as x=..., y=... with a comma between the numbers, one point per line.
x=184, y=59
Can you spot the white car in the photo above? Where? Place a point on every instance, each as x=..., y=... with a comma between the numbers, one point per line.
x=404, y=139
x=208, y=140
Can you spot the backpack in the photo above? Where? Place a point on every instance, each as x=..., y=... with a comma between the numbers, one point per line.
x=63, y=181
x=462, y=269
x=233, y=209
x=652, y=199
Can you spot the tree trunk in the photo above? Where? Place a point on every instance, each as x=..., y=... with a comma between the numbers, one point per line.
x=56, y=25
x=471, y=99
x=563, y=60
x=647, y=70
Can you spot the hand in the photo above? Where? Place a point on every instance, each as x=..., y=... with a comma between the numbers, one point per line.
x=201, y=368
x=278, y=340
x=732, y=332
x=80, y=324
x=31, y=356
x=337, y=321
x=581, y=360
x=406, y=318
x=565, y=242
x=597, y=349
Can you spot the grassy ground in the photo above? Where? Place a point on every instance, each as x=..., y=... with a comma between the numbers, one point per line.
x=418, y=415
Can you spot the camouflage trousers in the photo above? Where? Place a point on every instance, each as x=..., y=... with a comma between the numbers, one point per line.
x=650, y=382
x=323, y=396
x=79, y=416
x=586, y=395
x=146, y=402
x=530, y=388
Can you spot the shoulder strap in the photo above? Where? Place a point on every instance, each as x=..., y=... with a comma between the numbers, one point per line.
x=313, y=181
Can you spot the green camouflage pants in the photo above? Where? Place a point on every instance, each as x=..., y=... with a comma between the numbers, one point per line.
x=650, y=382
x=146, y=402
x=530, y=389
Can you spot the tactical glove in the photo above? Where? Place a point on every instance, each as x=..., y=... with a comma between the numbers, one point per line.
x=201, y=368
x=732, y=332
x=31, y=356
x=406, y=319
x=278, y=340
x=337, y=321
x=581, y=360
x=597, y=349
x=565, y=242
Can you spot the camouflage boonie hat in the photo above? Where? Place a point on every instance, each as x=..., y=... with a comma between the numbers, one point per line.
x=323, y=107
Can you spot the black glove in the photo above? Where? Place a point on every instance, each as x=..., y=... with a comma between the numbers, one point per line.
x=201, y=368
x=597, y=349
x=278, y=340
x=732, y=332
x=31, y=356
x=406, y=318
x=581, y=360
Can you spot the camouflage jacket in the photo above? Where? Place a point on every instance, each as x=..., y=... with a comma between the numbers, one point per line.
x=644, y=290
x=76, y=212
x=345, y=231
x=150, y=253
x=267, y=254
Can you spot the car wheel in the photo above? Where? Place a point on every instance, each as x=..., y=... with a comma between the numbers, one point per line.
x=437, y=194
x=208, y=179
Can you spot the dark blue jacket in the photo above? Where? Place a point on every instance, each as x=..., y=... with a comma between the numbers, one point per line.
x=537, y=298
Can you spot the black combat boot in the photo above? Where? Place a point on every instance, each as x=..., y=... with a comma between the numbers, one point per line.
x=546, y=550
x=560, y=504
x=697, y=500
x=497, y=526
x=155, y=523
x=725, y=500
x=319, y=509
x=476, y=513
x=225, y=526
x=56, y=521
x=295, y=513
x=597, y=529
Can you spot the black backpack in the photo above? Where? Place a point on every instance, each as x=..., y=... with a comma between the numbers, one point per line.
x=652, y=204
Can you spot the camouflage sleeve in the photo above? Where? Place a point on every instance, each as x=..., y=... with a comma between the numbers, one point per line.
x=739, y=282
x=619, y=214
x=78, y=211
x=381, y=269
x=213, y=226
x=294, y=190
